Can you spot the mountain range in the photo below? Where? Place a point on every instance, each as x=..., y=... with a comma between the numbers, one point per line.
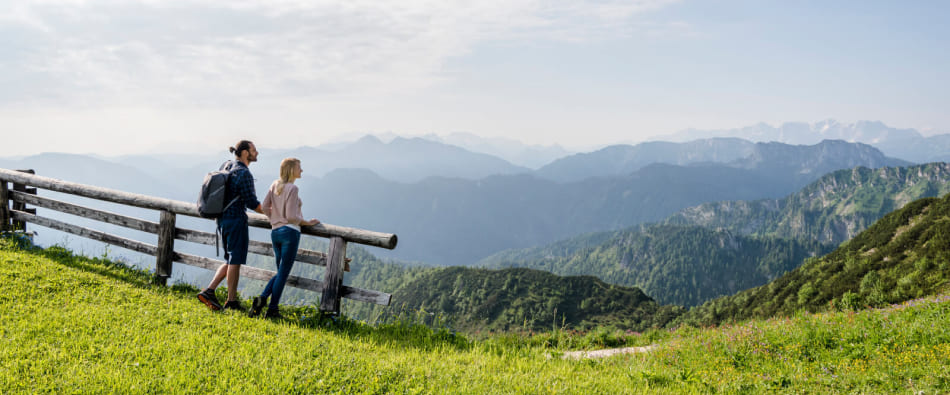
x=907, y=144
x=902, y=256
x=457, y=221
x=721, y=248
x=804, y=161
x=514, y=151
x=832, y=210
x=401, y=160
x=624, y=159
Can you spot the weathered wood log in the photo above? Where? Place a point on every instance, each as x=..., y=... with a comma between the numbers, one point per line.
x=166, y=247
x=365, y=295
x=4, y=207
x=195, y=236
x=133, y=245
x=198, y=261
x=80, y=211
x=361, y=236
x=330, y=301
x=24, y=189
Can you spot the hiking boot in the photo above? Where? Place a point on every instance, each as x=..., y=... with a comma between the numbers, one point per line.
x=273, y=314
x=234, y=305
x=257, y=305
x=207, y=297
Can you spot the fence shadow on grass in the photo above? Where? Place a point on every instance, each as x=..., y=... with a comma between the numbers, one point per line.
x=406, y=330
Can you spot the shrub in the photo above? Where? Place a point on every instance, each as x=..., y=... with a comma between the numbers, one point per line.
x=805, y=293
x=849, y=301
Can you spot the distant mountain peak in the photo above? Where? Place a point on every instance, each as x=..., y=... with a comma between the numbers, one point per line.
x=513, y=151
x=868, y=132
x=369, y=139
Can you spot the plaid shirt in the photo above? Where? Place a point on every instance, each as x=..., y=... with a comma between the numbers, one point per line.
x=241, y=185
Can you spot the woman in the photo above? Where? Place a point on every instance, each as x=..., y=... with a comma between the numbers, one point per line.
x=282, y=206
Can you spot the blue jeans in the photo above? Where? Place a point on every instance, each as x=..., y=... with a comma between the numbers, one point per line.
x=285, y=240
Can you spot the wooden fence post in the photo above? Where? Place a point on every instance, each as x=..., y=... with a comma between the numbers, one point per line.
x=4, y=207
x=330, y=301
x=20, y=225
x=166, y=247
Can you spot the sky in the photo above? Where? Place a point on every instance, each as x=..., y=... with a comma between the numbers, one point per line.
x=119, y=77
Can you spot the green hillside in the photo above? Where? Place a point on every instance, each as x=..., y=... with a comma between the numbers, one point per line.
x=503, y=300
x=683, y=265
x=902, y=256
x=72, y=324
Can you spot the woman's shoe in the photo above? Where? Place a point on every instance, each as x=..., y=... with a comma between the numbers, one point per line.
x=257, y=305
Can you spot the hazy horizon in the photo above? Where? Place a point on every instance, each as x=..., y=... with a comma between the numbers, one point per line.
x=336, y=142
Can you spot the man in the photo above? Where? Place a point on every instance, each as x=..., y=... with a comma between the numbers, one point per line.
x=233, y=226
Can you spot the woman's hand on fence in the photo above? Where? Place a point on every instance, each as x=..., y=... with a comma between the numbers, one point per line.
x=311, y=222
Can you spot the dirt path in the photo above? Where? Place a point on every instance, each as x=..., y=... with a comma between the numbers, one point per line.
x=606, y=353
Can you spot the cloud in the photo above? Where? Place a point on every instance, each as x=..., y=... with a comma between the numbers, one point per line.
x=193, y=52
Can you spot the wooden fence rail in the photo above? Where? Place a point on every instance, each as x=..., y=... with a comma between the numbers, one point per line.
x=23, y=193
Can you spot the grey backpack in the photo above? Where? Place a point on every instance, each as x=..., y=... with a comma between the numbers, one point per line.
x=211, y=201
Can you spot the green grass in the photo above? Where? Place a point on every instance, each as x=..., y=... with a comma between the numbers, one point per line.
x=74, y=324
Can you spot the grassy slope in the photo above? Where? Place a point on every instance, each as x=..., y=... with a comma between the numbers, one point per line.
x=79, y=324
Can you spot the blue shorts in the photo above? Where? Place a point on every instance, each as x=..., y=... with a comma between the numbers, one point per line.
x=235, y=235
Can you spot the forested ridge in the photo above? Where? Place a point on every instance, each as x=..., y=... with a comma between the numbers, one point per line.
x=832, y=209
x=684, y=265
x=904, y=255
x=482, y=299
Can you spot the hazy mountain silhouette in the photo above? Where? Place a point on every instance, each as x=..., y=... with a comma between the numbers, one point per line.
x=907, y=144
x=402, y=159
x=624, y=159
x=805, y=160
x=85, y=169
x=514, y=151
x=455, y=222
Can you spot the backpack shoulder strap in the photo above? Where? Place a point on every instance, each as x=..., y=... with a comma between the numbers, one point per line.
x=229, y=166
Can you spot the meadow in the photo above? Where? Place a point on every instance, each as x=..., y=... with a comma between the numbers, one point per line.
x=74, y=324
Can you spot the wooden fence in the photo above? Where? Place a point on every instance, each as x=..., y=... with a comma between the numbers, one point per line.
x=24, y=192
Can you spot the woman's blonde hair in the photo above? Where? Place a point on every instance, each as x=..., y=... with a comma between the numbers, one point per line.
x=287, y=167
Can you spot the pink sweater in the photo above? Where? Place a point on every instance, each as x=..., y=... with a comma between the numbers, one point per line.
x=283, y=209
